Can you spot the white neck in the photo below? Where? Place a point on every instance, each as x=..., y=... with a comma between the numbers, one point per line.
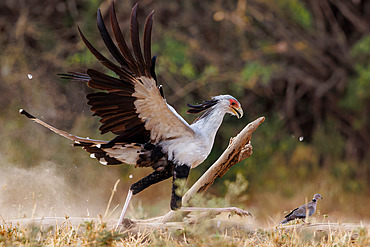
x=209, y=123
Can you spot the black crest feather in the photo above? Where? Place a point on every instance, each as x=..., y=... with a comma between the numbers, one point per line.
x=195, y=109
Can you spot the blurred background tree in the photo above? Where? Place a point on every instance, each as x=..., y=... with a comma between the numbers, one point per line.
x=303, y=64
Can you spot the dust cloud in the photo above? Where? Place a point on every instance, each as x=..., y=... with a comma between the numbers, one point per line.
x=45, y=191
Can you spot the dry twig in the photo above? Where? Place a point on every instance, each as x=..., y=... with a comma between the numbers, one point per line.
x=238, y=149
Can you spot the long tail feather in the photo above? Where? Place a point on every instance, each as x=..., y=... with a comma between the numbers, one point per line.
x=283, y=222
x=76, y=139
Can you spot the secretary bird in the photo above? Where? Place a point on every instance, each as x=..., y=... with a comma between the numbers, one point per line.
x=150, y=133
x=303, y=211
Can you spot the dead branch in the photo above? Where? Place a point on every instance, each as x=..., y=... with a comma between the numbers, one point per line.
x=238, y=149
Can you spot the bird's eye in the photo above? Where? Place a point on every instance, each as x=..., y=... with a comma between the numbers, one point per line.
x=233, y=103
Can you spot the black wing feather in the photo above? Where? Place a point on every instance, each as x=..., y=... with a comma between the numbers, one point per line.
x=152, y=70
x=102, y=81
x=147, y=40
x=135, y=41
x=75, y=76
x=103, y=60
x=121, y=41
x=116, y=106
x=109, y=42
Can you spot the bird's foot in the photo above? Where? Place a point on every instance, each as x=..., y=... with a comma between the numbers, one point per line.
x=124, y=223
x=231, y=210
x=239, y=212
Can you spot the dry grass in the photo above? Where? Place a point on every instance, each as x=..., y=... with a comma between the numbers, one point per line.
x=221, y=231
x=80, y=231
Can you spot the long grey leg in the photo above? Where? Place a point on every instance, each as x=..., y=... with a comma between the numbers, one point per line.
x=127, y=202
x=152, y=178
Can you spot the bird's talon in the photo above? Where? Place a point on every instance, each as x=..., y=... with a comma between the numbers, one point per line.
x=239, y=212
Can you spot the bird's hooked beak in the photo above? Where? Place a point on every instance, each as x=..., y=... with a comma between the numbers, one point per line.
x=238, y=111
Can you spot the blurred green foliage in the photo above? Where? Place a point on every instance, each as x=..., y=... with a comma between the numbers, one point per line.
x=297, y=11
x=254, y=72
x=174, y=57
x=287, y=60
x=358, y=92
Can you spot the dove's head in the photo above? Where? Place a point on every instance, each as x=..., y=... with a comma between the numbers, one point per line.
x=317, y=196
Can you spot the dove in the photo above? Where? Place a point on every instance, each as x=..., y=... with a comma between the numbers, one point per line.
x=301, y=211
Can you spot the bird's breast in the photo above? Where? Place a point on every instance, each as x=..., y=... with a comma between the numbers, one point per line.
x=191, y=153
x=312, y=210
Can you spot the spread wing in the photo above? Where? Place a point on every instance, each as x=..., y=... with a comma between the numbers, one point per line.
x=132, y=106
